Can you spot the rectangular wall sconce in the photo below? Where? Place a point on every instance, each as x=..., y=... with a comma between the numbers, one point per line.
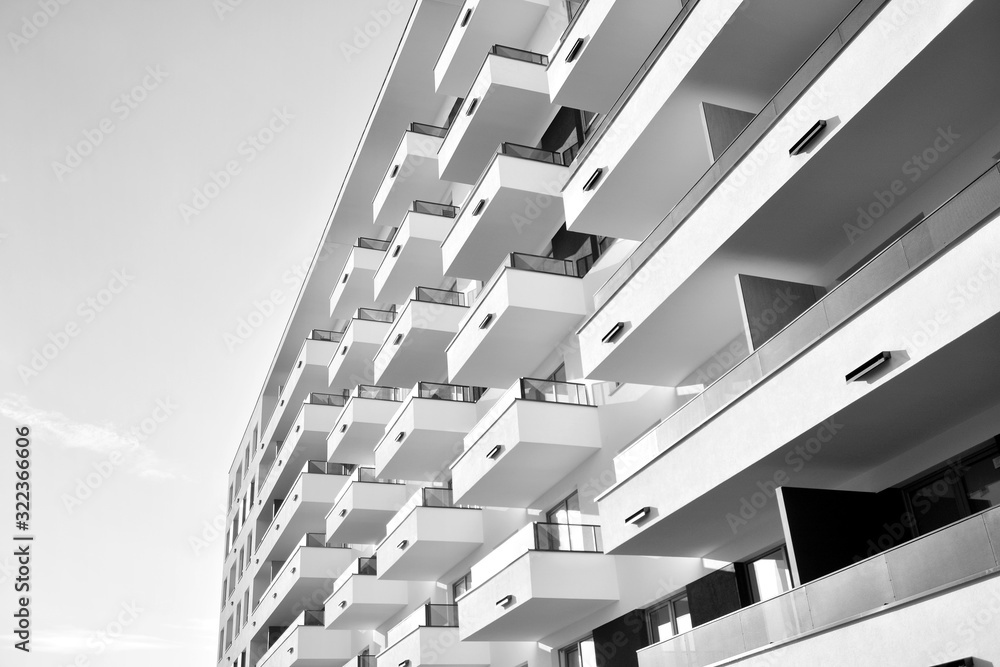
x=807, y=138
x=593, y=180
x=495, y=452
x=575, y=51
x=505, y=601
x=867, y=367
x=638, y=517
x=486, y=321
x=613, y=333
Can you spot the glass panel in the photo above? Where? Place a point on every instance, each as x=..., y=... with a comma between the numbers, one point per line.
x=431, y=130
x=337, y=400
x=982, y=481
x=431, y=208
x=530, y=153
x=380, y=393
x=559, y=267
x=442, y=615
x=449, y=392
x=660, y=622
x=588, y=656
x=571, y=656
x=314, y=617
x=770, y=576
x=553, y=392
x=323, y=334
x=365, y=474
x=682, y=614
x=372, y=244
x=367, y=566
x=431, y=295
x=437, y=497
x=373, y=315
x=938, y=503
x=519, y=54
x=567, y=537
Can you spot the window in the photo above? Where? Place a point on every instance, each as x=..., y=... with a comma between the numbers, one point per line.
x=769, y=575
x=460, y=587
x=964, y=487
x=246, y=606
x=558, y=375
x=239, y=613
x=567, y=511
x=668, y=618
x=222, y=639
x=579, y=654
x=242, y=564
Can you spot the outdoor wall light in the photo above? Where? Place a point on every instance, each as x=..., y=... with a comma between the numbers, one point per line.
x=803, y=143
x=479, y=207
x=400, y=436
x=867, y=367
x=505, y=601
x=472, y=106
x=395, y=170
x=594, y=179
x=613, y=333
x=495, y=452
x=575, y=51
x=402, y=545
x=466, y=17
x=638, y=517
x=486, y=321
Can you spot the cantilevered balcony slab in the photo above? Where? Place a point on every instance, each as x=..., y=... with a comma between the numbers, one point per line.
x=508, y=102
x=362, y=601
x=480, y=25
x=302, y=511
x=414, y=349
x=412, y=174
x=362, y=424
x=295, y=584
x=414, y=258
x=307, y=375
x=541, y=579
x=425, y=542
x=529, y=305
x=306, y=441
x=352, y=363
x=354, y=288
x=605, y=47
x=535, y=434
x=515, y=207
x=427, y=432
x=364, y=508
x=429, y=636
x=311, y=646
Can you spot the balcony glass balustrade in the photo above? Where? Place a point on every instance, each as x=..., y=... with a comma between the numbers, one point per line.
x=449, y=392
x=432, y=208
x=336, y=400
x=375, y=315
x=429, y=130
x=372, y=244
x=325, y=335
x=377, y=393
x=431, y=295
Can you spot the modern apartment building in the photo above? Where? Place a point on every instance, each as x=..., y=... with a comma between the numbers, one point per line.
x=644, y=333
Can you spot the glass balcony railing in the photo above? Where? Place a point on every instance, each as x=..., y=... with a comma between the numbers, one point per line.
x=554, y=392
x=530, y=153
x=329, y=336
x=372, y=244
x=313, y=617
x=427, y=616
x=567, y=537
x=449, y=392
x=519, y=54
x=924, y=241
x=439, y=496
x=367, y=566
x=336, y=400
x=431, y=208
x=559, y=267
x=366, y=660
x=443, y=296
x=380, y=393
x=375, y=315
x=327, y=468
x=429, y=130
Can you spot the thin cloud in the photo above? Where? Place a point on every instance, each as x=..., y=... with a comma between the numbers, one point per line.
x=102, y=438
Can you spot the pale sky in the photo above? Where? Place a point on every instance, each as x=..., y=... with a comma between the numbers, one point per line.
x=123, y=267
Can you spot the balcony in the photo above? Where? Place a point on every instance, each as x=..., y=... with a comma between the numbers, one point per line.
x=528, y=306
x=429, y=636
x=354, y=289
x=302, y=510
x=654, y=139
x=362, y=601
x=539, y=581
x=604, y=45
x=536, y=433
x=306, y=441
x=415, y=258
x=364, y=508
x=352, y=364
x=413, y=349
x=688, y=263
x=516, y=206
x=294, y=586
x=885, y=305
x=306, y=643
x=480, y=25
x=428, y=537
x=412, y=174
x=427, y=432
x=509, y=101
x=362, y=423
x=307, y=375
x=951, y=568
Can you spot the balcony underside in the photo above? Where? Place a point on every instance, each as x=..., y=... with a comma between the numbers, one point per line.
x=432, y=432
x=423, y=330
x=418, y=261
x=360, y=427
x=366, y=508
x=700, y=313
x=367, y=602
x=412, y=174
